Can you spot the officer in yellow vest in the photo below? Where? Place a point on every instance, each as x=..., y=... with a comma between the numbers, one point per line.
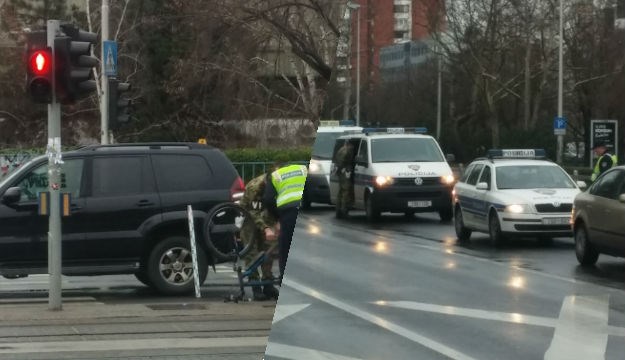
x=282, y=198
x=605, y=160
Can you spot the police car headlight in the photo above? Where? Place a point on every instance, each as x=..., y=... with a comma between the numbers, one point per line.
x=383, y=180
x=448, y=179
x=517, y=209
x=314, y=167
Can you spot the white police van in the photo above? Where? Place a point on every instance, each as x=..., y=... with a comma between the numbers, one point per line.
x=514, y=192
x=399, y=170
x=317, y=189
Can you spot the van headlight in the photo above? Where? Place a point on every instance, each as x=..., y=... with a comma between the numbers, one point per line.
x=314, y=167
x=518, y=209
x=382, y=181
x=448, y=179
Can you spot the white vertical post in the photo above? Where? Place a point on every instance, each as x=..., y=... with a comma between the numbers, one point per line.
x=196, y=273
x=104, y=99
x=54, y=185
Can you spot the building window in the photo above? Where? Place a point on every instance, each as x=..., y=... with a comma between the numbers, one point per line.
x=401, y=8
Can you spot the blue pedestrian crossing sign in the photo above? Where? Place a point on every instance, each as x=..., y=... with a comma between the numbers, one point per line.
x=110, y=57
x=559, y=126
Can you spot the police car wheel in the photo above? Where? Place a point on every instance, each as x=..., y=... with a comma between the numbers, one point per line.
x=584, y=251
x=494, y=230
x=462, y=232
x=372, y=213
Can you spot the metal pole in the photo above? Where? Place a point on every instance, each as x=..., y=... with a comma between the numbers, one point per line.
x=54, y=186
x=439, y=99
x=358, y=67
x=560, y=83
x=104, y=99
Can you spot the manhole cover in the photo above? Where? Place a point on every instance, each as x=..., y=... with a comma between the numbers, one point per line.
x=177, y=307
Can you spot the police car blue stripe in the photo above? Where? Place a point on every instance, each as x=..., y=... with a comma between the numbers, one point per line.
x=478, y=207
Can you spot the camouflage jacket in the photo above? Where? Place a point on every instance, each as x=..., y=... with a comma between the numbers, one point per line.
x=344, y=158
x=252, y=201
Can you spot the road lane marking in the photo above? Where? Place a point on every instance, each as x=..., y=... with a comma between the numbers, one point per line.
x=283, y=311
x=134, y=344
x=377, y=320
x=581, y=331
x=472, y=313
x=297, y=353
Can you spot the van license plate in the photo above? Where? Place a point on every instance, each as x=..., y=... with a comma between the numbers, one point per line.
x=419, y=204
x=556, y=221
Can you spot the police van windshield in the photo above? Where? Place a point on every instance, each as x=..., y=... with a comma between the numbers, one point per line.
x=405, y=150
x=324, y=144
x=532, y=177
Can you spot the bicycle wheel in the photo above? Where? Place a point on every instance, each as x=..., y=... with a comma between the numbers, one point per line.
x=222, y=230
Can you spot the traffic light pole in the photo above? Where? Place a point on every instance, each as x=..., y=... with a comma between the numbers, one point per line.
x=54, y=185
x=104, y=99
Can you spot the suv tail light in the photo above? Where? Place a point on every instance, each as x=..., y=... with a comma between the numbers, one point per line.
x=237, y=189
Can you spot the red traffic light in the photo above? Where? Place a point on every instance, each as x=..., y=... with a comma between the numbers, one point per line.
x=40, y=62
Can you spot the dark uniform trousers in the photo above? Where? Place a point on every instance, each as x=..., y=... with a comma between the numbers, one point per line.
x=288, y=217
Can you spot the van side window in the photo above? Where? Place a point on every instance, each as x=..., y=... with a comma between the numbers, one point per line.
x=472, y=180
x=363, y=153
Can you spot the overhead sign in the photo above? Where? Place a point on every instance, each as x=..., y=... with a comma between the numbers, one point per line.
x=559, y=126
x=110, y=57
x=605, y=131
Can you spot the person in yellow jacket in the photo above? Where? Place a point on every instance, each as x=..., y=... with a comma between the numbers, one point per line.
x=605, y=160
x=282, y=198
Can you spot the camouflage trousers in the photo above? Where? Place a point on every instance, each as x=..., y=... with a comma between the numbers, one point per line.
x=345, y=198
x=258, y=244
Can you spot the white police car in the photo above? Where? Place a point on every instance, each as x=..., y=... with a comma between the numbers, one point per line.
x=317, y=189
x=398, y=170
x=514, y=192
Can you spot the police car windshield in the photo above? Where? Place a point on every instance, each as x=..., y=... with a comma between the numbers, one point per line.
x=405, y=150
x=324, y=145
x=532, y=177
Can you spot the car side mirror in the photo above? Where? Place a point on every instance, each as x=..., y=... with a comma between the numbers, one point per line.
x=482, y=186
x=621, y=198
x=582, y=185
x=451, y=158
x=11, y=196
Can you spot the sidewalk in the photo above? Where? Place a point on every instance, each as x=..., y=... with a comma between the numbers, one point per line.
x=88, y=329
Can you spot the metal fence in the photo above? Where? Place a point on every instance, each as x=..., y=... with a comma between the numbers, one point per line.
x=250, y=170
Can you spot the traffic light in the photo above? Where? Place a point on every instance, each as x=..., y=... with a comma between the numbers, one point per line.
x=74, y=64
x=119, y=106
x=39, y=67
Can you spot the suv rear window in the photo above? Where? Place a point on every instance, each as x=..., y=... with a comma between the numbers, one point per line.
x=182, y=173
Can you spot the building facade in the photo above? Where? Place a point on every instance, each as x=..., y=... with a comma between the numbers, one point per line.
x=384, y=23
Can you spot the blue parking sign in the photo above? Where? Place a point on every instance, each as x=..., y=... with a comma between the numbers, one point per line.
x=559, y=125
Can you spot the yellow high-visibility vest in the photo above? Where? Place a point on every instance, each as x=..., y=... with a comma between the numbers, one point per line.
x=289, y=183
x=596, y=171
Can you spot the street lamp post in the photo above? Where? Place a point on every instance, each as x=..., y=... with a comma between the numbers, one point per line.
x=560, y=84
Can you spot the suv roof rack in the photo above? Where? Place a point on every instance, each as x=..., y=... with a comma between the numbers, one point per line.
x=146, y=146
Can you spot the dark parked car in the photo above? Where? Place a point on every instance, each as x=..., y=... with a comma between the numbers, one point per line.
x=599, y=218
x=128, y=213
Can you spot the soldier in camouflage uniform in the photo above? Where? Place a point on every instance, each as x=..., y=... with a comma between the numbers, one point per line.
x=345, y=169
x=260, y=229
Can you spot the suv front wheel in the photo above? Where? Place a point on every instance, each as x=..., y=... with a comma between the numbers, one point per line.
x=170, y=266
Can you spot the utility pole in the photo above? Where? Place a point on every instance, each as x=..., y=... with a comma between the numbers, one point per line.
x=104, y=99
x=560, y=144
x=54, y=183
x=439, y=98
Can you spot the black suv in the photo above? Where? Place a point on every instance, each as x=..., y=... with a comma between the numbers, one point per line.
x=128, y=213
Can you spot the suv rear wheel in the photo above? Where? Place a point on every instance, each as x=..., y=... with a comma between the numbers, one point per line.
x=170, y=266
